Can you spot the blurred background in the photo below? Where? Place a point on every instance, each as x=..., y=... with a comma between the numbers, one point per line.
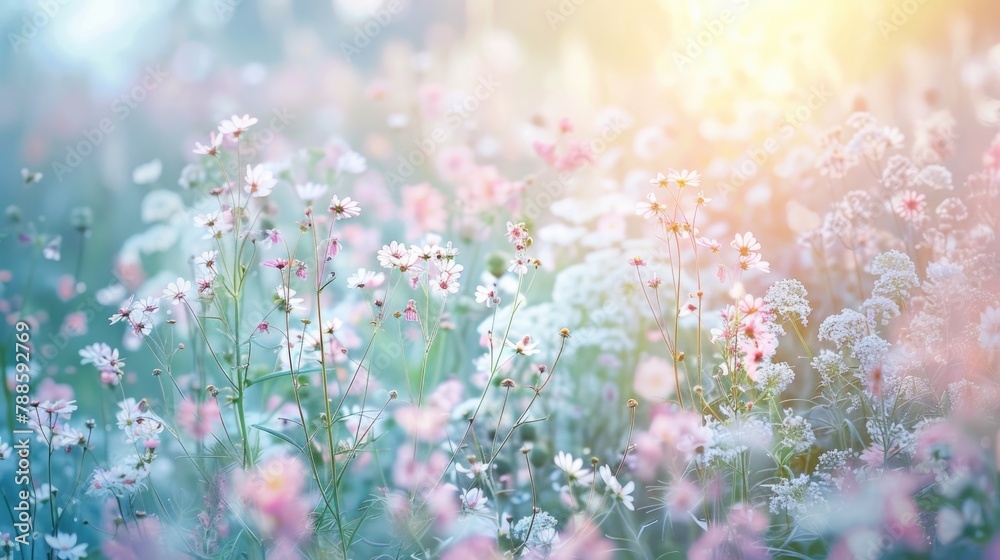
x=106, y=100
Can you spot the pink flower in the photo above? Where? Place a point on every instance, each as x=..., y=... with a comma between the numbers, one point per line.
x=909, y=205
x=274, y=494
x=410, y=313
x=198, y=419
x=546, y=151
x=279, y=264
x=423, y=209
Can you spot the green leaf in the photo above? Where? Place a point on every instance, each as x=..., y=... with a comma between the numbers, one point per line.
x=278, y=435
x=279, y=374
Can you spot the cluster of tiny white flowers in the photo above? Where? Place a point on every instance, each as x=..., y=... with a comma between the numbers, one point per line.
x=773, y=379
x=830, y=365
x=952, y=209
x=899, y=173
x=936, y=177
x=544, y=532
x=845, y=328
x=897, y=275
x=834, y=460
x=796, y=432
x=787, y=299
x=871, y=352
x=797, y=495
x=880, y=310
x=894, y=437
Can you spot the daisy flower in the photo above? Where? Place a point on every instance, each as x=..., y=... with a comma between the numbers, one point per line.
x=909, y=205
x=446, y=285
x=661, y=181
x=343, y=209
x=396, y=254
x=285, y=299
x=623, y=493
x=474, y=500
x=754, y=261
x=65, y=547
x=279, y=264
x=516, y=233
x=214, y=142
x=684, y=178
x=650, y=209
x=524, y=346
x=207, y=259
x=518, y=266
x=259, y=181
x=487, y=295
x=363, y=278
x=351, y=162
x=236, y=125
x=310, y=191
x=175, y=291
x=711, y=244
x=746, y=244
x=574, y=468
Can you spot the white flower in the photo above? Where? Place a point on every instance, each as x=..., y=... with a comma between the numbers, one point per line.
x=53, y=249
x=623, y=493
x=236, y=125
x=67, y=436
x=343, y=209
x=214, y=141
x=474, y=500
x=176, y=291
x=351, y=162
x=65, y=547
x=574, y=468
x=395, y=254
x=487, y=295
x=207, y=259
x=935, y=177
x=650, y=209
x=147, y=173
x=787, y=299
x=286, y=300
x=683, y=178
x=310, y=191
x=365, y=278
x=260, y=181
x=518, y=266
x=524, y=346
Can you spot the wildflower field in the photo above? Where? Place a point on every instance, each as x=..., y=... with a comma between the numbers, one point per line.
x=472, y=279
